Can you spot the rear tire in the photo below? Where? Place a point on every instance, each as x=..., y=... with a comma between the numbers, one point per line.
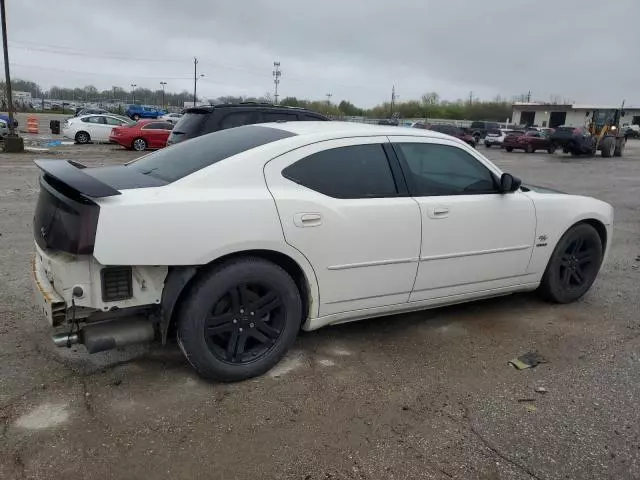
x=488, y=145
x=529, y=149
x=608, y=147
x=136, y=117
x=239, y=319
x=509, y=149
x=573, y=266
x=551, y=149
x=82, y=138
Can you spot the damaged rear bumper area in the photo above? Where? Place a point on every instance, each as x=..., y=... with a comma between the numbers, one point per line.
x=101, y=307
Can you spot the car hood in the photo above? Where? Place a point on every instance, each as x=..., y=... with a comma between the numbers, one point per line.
x=538, y=189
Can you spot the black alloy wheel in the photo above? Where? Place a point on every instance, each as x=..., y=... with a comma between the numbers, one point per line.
x=245, y=323
x=573, y=266
x=239, y=319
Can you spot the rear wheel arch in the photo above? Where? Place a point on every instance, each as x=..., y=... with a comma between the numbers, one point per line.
x=179, y=281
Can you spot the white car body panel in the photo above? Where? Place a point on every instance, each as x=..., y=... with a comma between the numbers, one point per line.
x=365, y=257
x=343, y=238
x=556, y=213
x=469, y=240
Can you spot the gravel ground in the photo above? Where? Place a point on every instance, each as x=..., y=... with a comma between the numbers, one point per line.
x=425, y=395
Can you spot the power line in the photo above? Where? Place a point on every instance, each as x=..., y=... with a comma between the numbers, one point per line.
x=69, y=51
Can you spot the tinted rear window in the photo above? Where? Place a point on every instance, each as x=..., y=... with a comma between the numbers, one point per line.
x=190, y=122
x=182, y=159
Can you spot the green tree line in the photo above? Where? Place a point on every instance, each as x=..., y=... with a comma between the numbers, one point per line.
x=430, y=105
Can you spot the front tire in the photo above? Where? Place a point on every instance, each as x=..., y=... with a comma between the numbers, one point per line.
x=239, y=319
x=529, y=149
x=573, y=266
x=136, y=117
x=487, y=144
x=608, y=147
x=139, y=145
x=509, y=149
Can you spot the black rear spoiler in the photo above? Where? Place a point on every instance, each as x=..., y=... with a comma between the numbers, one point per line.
x=72, y=175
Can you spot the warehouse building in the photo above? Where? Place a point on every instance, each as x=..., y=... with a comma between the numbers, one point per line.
x=554, y=115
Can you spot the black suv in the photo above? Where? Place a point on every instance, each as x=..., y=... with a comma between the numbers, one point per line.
x=199, y=121
x=480, y=129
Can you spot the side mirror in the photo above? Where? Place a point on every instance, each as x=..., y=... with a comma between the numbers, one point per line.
x=509, y=183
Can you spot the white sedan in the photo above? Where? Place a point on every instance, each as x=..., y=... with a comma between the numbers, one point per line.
x=171, y=117
x=235, y=240
x=93, y=128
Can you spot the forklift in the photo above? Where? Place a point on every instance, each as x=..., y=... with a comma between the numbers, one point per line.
x=604, y=126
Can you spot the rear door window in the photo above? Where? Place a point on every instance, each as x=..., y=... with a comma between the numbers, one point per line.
x=184, y=158
x=279, y=117
x=357, y=171
x=238, y=119
x=97, y=119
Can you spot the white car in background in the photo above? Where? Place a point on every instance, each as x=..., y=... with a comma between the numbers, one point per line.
x=236, y=240
x=496, y=137
x=171, y=118
x=93, y=128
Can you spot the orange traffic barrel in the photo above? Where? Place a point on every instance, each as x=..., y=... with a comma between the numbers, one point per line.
x=32, y=125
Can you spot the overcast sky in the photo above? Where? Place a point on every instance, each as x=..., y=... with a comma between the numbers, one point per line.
x=585, y=51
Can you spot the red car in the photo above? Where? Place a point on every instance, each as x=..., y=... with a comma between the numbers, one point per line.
x=528, y=141
x=142, y=135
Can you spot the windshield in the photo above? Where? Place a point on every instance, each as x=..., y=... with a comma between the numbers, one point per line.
x=184, y=158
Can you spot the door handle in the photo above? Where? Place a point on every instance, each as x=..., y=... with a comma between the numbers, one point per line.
x=438, y=212
x=307, y=219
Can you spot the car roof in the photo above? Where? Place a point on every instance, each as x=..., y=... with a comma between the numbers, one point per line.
x=340, y=129
x=211, y=108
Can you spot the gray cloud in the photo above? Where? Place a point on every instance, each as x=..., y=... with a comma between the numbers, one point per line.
x=583, y=51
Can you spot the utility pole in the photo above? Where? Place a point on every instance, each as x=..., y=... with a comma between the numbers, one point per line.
x=329, y=95
x=7, y=75
x=394, y=97
x=276, y=78
x=163, y=85
x=470, y=97
x=529, y=97
x=133, y=93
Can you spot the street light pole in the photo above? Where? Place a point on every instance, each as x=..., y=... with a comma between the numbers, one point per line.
x=163, y=85
x=133, y=93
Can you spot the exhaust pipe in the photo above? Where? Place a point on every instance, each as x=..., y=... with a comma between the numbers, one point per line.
x=109, y=335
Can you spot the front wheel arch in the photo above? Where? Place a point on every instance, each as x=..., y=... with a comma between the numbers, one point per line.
x=180, y=279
